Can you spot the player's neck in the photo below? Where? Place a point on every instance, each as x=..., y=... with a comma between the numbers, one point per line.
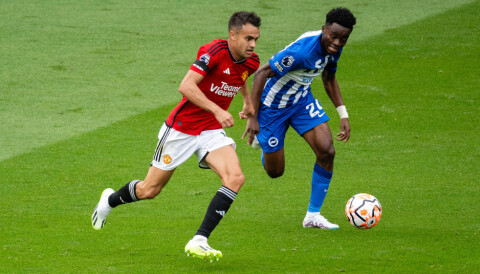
x=236, y=57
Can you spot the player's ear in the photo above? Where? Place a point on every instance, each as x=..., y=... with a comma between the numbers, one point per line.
x=232, y=34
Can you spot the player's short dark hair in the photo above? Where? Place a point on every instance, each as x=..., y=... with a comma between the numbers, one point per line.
x=241, y=18
x=341, y=16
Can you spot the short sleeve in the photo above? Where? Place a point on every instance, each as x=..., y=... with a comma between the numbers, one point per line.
x=204, y=62
x=289, y=59
x=331, y=67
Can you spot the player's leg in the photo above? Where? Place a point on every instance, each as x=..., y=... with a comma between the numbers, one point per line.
x=133, y=191
x=310, y=121
x=273, y=127
x=219, y=154
x=321, y=142
x=225, y=163
x=153, y=184
x=172, y=150
x=274, y=163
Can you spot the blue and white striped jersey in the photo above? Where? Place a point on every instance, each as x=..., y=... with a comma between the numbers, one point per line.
x=295, y=67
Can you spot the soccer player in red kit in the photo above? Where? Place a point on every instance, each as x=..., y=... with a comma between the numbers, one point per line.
x=196, y=125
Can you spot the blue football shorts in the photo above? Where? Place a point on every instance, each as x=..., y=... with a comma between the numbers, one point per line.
x=274, y=122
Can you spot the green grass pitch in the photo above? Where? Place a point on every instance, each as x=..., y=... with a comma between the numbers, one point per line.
x=85, y=86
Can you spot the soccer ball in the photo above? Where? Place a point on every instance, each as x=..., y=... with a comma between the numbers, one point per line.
x=363, y=211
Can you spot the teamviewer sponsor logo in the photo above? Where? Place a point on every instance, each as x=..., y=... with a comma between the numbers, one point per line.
x=224, y=90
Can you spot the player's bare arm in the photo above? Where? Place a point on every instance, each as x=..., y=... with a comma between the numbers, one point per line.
x=189, y=88
x=248, y=110
x=260, y=77
x=333, y=90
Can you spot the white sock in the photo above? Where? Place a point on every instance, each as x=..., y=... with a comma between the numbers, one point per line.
x=200, y=238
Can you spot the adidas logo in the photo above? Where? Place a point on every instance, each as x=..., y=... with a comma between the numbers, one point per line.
x=220, y=212
x=227, y=71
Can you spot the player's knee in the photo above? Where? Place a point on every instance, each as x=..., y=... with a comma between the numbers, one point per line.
x=331, y=152
x=274, y=172
x=327, y=154
x=235, y=181
x=239, y=179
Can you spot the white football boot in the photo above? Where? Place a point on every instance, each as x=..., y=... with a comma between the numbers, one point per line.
x=255, y=143
x=199, y=248
x=100, y=214
x=319, y=221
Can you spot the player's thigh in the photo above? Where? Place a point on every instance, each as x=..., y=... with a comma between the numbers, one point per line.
x=224, y=161
x=209, y=141
x=273, y=127
x=320, y=139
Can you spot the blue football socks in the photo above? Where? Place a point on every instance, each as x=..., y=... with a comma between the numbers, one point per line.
x=320, y=182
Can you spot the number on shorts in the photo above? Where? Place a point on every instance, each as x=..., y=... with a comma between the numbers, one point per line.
x=314, y=112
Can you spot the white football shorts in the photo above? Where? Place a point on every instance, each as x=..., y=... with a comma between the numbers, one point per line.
x=175, y=147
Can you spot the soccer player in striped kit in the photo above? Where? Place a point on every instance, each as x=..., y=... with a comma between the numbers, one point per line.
x=195, y=126
x=282, y=98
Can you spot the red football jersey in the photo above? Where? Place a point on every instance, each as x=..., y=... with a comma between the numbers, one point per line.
x=223, y=78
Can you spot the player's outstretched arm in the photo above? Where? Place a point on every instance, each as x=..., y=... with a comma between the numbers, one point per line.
x=189, y=88
x=259, y=79
x=333, y=90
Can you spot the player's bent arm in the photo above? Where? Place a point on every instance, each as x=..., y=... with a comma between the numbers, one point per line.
x=245, y=94
x=333, y=90
x=189, y=88
x=259, y=79
x=248, y=110
x=261, y=75
x=331, y=87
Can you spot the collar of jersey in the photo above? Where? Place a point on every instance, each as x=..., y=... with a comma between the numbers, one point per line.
x=233, y=57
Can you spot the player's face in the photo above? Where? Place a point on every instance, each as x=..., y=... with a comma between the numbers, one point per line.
x=334, y=37
x=242, y=41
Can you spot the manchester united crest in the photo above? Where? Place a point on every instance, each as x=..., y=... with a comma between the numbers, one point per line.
x=245, y=76
x=167, y=159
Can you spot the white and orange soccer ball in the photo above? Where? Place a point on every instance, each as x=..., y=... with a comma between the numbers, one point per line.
x=363, y=211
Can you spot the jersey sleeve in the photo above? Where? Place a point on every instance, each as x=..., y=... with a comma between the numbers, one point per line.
x=254, y=63
x=288, y=59
x=204, y=62
x=331, y=67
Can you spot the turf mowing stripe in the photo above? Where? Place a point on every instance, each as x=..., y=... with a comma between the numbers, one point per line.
x=65, y=74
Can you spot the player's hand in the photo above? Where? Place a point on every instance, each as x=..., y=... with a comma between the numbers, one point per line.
x=224, y=118
x=344, y=134
x=247, y=111
x=252, y=129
